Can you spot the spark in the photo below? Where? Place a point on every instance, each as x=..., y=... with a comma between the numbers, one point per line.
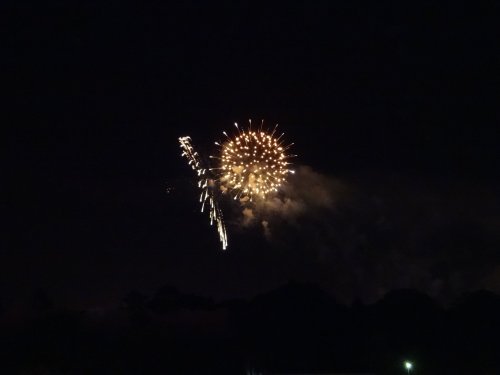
x=207, y=196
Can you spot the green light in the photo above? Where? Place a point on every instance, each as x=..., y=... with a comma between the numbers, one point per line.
x=408, y=365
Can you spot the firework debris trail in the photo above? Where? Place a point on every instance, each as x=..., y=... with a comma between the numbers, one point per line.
x=207, y=196
x=252, y=165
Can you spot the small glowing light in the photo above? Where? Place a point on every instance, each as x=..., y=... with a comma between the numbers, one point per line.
x=408, y=365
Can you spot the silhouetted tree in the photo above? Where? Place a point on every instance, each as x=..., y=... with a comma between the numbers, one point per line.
x=135, y=302
x=295, y=328
x=168, y=299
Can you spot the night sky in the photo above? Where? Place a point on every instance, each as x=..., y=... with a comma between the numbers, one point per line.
x=392, y=106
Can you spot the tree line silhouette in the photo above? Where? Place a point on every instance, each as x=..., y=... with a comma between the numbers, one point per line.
x=295, y=328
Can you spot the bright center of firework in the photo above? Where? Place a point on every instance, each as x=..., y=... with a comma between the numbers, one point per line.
x=253, y=163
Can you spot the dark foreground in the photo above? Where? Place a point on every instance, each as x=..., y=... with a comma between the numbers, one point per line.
x=296, y=328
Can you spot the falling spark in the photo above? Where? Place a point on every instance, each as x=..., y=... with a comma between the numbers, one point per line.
x=204, y=183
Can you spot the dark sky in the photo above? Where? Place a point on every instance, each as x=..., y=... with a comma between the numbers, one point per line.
x=392, y=106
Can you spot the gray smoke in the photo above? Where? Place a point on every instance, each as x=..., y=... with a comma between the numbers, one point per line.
x=379, y=233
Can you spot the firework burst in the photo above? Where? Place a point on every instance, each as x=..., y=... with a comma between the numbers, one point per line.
x=253, y=163
x=250, y=165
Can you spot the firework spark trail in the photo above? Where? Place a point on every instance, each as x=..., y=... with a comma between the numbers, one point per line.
x=205, y=184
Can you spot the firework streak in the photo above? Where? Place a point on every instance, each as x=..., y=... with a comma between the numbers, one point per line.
x=206, y=185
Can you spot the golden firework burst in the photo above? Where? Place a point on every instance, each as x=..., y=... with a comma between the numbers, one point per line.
x=253, y=163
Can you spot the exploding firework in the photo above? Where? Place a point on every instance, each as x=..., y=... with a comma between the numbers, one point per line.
x=251, y=165
x=254, y=163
